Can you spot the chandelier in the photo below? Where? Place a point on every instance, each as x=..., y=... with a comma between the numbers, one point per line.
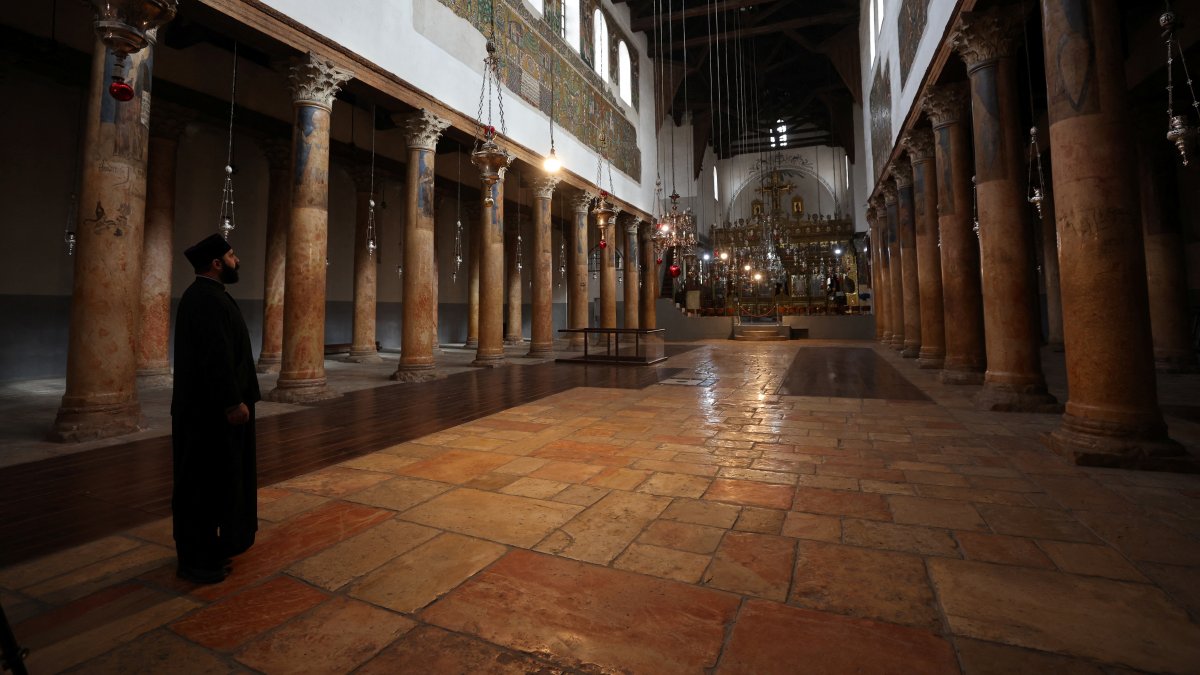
x=676, y=229
x=122, y=26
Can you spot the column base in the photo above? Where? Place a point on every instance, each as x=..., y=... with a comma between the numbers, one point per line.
x=886, y=338
x=471, y=343
x=930, y=363
x=89, y=422
x=956, y=376
x=911, y=350
x=512, y=341
x=300, y=391
x=540, y=353
x=416, y=375
x=364, y=356
x=155, y=377
x=489, y=361
x=1119, y=451
x=1175, y=361
x=269, y=363
x=998, y=397
x=898, y=342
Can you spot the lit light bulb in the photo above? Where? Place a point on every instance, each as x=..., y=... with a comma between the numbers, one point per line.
x=747, y=268
x=706, y=256
x=757, y=276
x=724, y=256
x=551, y=163
x=837, y=251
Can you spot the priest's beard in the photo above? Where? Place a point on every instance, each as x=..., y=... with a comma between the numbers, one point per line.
x=229, y=275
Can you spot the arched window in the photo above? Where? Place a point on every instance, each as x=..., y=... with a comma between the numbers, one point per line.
x=571, y=20
x=537, y=6
x=624, y=72
x=600, y=44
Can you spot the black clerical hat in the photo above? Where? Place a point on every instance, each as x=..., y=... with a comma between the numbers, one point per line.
x=212, y=247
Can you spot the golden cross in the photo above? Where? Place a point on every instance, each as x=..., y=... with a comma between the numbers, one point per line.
x=777, y=188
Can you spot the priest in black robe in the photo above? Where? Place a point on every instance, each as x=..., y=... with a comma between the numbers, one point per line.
x=212, y=420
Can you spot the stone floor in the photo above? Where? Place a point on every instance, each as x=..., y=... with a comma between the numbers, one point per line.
x=719, y=527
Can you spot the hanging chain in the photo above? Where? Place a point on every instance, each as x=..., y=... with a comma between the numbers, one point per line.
x=1179, y=131
x=458, y=228
x=371, y=243
x=974, y=208
x=226, y=218
x=1036, y=194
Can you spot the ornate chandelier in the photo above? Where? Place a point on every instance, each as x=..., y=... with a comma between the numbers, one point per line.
x=123, y=27
x=676, y=229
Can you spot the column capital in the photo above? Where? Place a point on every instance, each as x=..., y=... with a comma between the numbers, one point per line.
x=315, y=81
x=422, y=128
x=631, y=225
x=890, y=193
x=543, y=187
x=278, y=152
x=919, y=142
x=987, y=35
x=583, y=202
x=947, y=103
x=903, y=173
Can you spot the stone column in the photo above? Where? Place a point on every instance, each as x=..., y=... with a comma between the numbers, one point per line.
x=315, y=81
x=606, y=217
x=986, y=40
x=493, y=164
x=577, y=273
x=362, y=345
x=101, y=394
x=422, y=129
x=883, y=294
x=279, y=210
x=513, y=292
x=873, y=242
x=632, y=272
x=541, y=321
x=1166, y=267
x=647, y=312
x=966, y=360
x=434, y=336
x=154, y=326
x=902, y=171
x=896, y=308
x=1112, y=416
x=929, y=264
x=473, y=228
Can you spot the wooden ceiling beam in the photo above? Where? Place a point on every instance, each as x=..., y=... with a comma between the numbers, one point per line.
x=831, y=18
x=649, y=22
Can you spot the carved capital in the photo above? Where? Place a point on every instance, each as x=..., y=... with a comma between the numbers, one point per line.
x=543, y=187
x=422, y=128
x=987, y=35
x=889, y=193
x=315, y=81
x=278, y=152
x=902, y=172
x=583, y=202
x=947, y=103
x=631, y=225
x=919, y=143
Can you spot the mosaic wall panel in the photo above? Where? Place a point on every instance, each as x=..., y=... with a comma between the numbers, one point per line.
x=582, y=103
x=912, y=20
x=881, y=118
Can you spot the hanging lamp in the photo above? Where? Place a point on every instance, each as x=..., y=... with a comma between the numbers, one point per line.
x=226, y=222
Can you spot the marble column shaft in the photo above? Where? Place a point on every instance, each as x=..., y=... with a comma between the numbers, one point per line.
x=420, y=301
x=279, y=211
x=302, y=372
x=896, y=308
x=1112, y=416
x=362, y=345
x=986, y=40
x=929, y=263
x=632, y=273
x=490, y=351
x=605, y=224
x=577, y=272
x=906, y=221
x=885, y=269
x=514, y=294
x=154, y=326
x=541, y=320
x=647, y=311
x=876, y=285
x=101, y=389
x=962, y=295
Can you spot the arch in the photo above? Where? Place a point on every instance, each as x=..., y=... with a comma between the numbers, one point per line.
x=538, y=6
x=600, y=45
x=787, y=168
x=624, y=72
x=571, y=24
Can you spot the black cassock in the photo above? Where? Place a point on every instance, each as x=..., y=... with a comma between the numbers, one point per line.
x=214, y=503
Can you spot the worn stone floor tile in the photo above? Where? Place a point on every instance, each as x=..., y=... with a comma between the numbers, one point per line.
x=580, y=495
x=566, y=472
x=228, y=624
x=812, y=526
x=379, y=461
x=665, y=563
x=675, y=485
x=979, y=495
x=864, y=582
x=429, y=650
x=457, y=466
x=399, y=494
x=989, y=658
x=770, y=639
x=293, y=504
x=1143, y=538
x=158, y=651
x=472, y=442
x=840, y=503
x=1036, y=523
x=521, y=466
x=537, y=488
x=886, y=487
x=753, y=564
x=159, y=532
x=676, y=467
x=761, y=521
x=518, y=521
x=339, y=564
x=750, y=493
x=40, y=569
x=771, y=477
x=858, y=472
x=702, y=512
x=17, y=607
x=894, y=537
x=1003, y=549
x=491, y=481
x=416, y=578
x=336, y=637
x=828, y=482
x=423, y=448
x=101, y=574
x=682, y=536
x=935, y=513
x=335, y=481
x=603, y=530
x=1181, y=583
x=1081, y=494
x=1090, y=559
x=935, y=478
x=583, y=616
x=1109, y=621
x=619, y=478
